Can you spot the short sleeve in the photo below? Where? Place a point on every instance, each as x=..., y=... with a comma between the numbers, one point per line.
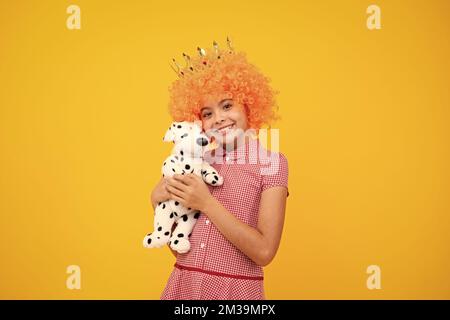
x=275, y=173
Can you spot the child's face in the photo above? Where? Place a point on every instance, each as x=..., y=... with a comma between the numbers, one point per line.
x=224, y=117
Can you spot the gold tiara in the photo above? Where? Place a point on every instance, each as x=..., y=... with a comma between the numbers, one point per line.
x=205, y=59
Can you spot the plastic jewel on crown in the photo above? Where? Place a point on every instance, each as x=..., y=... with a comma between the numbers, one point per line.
x=216, y=49
x=201, y=52
x=188, y=62
x=176, y=67
x=230, y=45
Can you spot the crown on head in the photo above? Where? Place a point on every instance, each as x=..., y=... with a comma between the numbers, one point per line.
x=205, y=60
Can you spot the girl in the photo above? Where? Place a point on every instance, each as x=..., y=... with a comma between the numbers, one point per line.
x=240, y=225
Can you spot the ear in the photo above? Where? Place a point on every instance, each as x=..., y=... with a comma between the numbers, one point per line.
x=170, y=135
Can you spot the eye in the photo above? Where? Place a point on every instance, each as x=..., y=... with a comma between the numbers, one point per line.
x=206, y=114
x=227, y=106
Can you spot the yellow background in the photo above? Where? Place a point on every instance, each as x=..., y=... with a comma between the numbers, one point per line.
x=365, y=128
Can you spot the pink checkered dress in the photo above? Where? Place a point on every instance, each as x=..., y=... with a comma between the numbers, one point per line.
x=214, y=268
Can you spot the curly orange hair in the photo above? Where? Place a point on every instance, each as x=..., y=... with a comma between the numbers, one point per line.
x=230, y=76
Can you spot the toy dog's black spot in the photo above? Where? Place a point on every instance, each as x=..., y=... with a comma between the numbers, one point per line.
x=187, y=167
x=197, y=215
x=149, y=240
x=176, y=242
x=176, y=203
x=166, y=233
x=159, y=228
x=215, y=177
x=181, y=151
x=171, y=215
x=185, y=218
x=180, y=235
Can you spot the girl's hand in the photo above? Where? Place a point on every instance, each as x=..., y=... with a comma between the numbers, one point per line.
x=160, y=192
x=190, y=190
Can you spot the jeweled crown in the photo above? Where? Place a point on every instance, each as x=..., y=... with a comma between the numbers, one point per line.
x=205, y=59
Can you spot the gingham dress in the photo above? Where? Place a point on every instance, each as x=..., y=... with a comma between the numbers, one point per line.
x=214, y=268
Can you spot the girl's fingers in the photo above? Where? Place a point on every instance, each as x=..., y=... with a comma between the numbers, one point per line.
x=175, y=191
x=181, y=178
x=176, y=198
x=192, y=176
x=177, y=184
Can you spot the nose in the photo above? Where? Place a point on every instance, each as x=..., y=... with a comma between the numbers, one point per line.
x=202, y=141
x=220, y=118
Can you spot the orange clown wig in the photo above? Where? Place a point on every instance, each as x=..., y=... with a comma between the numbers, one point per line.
x=221, y=74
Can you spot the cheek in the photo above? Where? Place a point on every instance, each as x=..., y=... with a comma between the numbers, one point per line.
x=206, y=124
x=240, y=117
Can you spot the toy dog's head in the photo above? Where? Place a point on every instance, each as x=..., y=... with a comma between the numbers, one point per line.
x=188, y=137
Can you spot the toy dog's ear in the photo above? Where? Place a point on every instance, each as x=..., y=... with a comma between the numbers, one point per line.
x=170, y=135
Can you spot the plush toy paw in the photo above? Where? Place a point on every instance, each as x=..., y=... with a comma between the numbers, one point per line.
x=180, y=245
x=212, y=178
x=153, y=240
x=219, y=181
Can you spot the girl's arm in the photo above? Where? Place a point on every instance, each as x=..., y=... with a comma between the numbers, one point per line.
x=261, y=243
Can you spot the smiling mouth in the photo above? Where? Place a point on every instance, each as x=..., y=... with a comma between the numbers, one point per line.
x=226, y=129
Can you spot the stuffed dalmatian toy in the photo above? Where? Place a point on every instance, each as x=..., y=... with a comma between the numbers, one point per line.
x=186, y=157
